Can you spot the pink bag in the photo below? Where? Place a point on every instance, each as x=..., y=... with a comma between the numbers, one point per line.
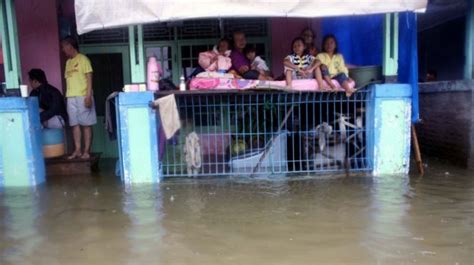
x=211, y=61
x=223, y=63
x=208, y=61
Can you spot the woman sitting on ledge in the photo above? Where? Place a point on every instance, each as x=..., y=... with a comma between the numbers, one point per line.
x=240, y=64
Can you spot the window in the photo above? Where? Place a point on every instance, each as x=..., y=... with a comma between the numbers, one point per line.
x=177, y=44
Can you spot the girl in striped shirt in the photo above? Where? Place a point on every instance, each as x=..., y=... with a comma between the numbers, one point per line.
x=299, y=64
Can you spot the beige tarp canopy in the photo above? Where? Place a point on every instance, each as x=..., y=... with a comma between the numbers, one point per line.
x=101, y=14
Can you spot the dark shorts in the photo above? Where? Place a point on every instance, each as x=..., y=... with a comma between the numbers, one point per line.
x=340, y=78
x=252, y=74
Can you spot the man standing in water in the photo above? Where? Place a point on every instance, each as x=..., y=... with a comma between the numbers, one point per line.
x=79, y=94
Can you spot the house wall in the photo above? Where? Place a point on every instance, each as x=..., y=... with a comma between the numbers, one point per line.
x=38, y=37
x=283, y=31
x=447, y=127
x=21, y=157
x=442, y=49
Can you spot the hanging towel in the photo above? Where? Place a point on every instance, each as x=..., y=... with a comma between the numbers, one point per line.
x=192, y=154
x=169, y=115
x=110, y=121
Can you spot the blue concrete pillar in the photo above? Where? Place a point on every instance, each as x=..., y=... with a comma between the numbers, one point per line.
x=389, y=128
x=21, y=157
x=137, y=138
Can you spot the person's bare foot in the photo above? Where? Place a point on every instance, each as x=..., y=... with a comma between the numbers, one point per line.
x=322, y=87
x=74, y=155
x=85, y=156
x=350, y=91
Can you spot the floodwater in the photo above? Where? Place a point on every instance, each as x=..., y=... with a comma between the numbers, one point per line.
x=311, y=220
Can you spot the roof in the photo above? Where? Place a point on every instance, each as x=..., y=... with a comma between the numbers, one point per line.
x=101, y=14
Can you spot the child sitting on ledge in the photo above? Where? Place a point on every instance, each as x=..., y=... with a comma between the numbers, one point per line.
x=300, y=65
x=217, y=59
x=256, y=62
x=332, y=66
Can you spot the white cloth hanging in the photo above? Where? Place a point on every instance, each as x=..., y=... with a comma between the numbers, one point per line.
x=102, y=14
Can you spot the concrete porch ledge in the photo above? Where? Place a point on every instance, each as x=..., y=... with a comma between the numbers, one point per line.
x=447, y=86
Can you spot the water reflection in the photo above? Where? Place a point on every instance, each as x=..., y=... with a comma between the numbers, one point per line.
x=388, y=238
x=18, y=215
x=307, y=220
x=143, y=204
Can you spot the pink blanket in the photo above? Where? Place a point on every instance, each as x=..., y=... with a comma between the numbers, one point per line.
x=244, y=84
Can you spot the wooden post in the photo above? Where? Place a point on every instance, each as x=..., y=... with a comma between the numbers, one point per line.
x=416, y=147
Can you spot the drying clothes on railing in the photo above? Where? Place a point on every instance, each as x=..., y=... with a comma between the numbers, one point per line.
x=323, y=131
x=192, y=153
x=169, y=115
x=244, y=84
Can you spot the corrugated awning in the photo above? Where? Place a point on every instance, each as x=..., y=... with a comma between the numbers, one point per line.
x=101, y=14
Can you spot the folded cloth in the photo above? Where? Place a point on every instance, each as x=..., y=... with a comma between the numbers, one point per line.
x=214, y=75
x=169, y=115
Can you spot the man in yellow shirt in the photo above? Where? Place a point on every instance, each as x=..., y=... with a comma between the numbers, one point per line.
x=79, y=94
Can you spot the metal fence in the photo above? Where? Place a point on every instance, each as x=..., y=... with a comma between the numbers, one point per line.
x=255, y=133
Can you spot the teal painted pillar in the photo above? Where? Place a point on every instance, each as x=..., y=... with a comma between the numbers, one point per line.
x=469, y=46
x=390, y=48
x=21, y=156
x=137, y=138
x=11, y=54
x=137, y=61
x=389, y=117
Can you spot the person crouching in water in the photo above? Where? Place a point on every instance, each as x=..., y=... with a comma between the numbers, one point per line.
x=332, y=66
x=299, y=64
x=53, y=113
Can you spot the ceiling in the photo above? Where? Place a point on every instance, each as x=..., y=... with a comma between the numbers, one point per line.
x=441, y=11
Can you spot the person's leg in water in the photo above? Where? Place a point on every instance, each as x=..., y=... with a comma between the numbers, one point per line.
x=87, y=130
x=76, y=135
x=72, y=111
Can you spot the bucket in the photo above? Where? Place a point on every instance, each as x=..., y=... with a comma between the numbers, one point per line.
x=53, y=142
x=364, y=75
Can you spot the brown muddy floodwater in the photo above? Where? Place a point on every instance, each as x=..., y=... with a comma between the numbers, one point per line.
x=310, y=220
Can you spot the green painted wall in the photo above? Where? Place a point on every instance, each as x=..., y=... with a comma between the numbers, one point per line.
x=139, y=136
x=13, y=149
x=101, y=142
x=393, y=124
